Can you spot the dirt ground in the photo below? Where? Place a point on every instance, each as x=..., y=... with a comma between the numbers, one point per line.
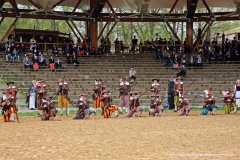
x=141, y=138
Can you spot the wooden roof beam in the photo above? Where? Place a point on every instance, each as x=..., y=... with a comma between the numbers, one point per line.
x=75, y=8
x=191, y=9
x=9, y=29
x=14, y=5
x=209, y=10
x=2, y=2
x=98, y=7
x=55, y=5
x=34, y=4
x=83, y=38
x=71, y=28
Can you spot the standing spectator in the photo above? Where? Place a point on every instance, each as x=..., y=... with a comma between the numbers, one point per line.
x=87, y=50
x=41, y=40
x=42, y=60
x=175, y=61
x=50, y=40
x=8, y=54
x=74, y=59
x=108, y=45
x=55, y=50
x=27, y=62
x=103, y=43
x=132, y=74
x=20, y=39
x=171, y=44
x=121, y=45
x=58, y=63
x=32, y=42
x=22, y=48
x=191, y=61
x=184, y=60
x=93, y=50
x=116, y=42
x=134, y=43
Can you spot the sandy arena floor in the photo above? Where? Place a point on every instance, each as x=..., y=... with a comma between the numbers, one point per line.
x=141, y=138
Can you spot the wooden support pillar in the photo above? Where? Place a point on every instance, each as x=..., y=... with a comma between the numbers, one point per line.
x=93, y=25
x=9, y=29
x=189, y=32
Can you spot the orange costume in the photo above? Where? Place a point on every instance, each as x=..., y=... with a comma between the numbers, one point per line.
x=107, y=106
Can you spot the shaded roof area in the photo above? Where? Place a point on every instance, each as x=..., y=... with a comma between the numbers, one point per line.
x=131, y=4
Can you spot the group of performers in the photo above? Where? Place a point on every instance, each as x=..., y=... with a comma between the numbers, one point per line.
x=37, y=97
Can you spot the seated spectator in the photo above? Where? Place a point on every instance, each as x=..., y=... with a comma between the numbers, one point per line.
x=74, y=59
x=175, y=61
x=32, y=42
x=81, y=50
x=228, y=56
x=159, y=54
x=55, y=50
x=191, y=61
x=42, y=60
x=12, y=47
x=2, y=46
x=68, y=59
x=100, y=50
x=58, y=63
x=8, y=54
x=199, y=60
x=184, y=60
x=15, y=55
x=87, y=50
x=93, y=50
x=27, y=62
x=35, y=63
x=168, y=61
x=35, y=49
x=51, y=63
x=220, y=55
x=22, y=48
x=183, y=71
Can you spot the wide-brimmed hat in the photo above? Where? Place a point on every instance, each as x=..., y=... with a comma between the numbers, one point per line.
x=155, y=79
x=133, y=93
x=82, y=94
x=98, y=79
x=7, y=91
x=10, y=83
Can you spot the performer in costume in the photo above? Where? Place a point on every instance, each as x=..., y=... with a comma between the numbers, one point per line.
x=124, y=89
x=32, y=96
x=9, y=110
x=209, y=103
x=48, y=109
x=229, y=102
x=41, y=93
x=237, y=92
x=155, y=87
x=83, y=107
x=98, y=87
x=107, y=105
x=13, y=89
x=183, y=107
x=178, y=91
x=63, y=99
x=155, y=106
x=134, y=106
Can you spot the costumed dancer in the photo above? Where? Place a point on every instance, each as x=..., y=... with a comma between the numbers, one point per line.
x=124, y=89
x=13, y=89
x=9, y=110
x=155, y=106
x=32, y=96
x=183, y=107
x=41, y=93
x=48, y=109
x=178, y=91
x=237, y=92
x=63, y=99
x=107, y=105
x=134, y=106
x=209, y=103
x=155, y=87
x=229, y=102
x=98, y=87
x=83, y=107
